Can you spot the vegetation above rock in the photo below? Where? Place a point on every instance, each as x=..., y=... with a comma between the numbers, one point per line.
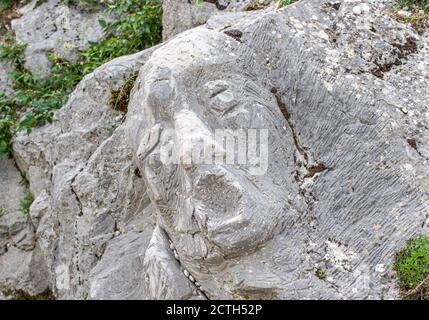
x=412, y=268
x=33, y=101
x=25, y=204
x=413, y=12
x=23, y=295
x=414, y=4
x=287, y=2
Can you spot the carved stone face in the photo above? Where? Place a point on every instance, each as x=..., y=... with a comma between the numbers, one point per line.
x=212, y=211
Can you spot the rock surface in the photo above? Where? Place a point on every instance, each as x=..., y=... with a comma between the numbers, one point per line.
x=55, y=27
x=90, y=197
x=21, y=263
x=181, y=15
x=341, y=90
x=5, y=81
x=345, y=187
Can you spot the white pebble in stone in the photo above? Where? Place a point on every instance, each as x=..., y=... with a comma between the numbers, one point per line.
x=186, y=273
x=357, y=10
x=191, y=278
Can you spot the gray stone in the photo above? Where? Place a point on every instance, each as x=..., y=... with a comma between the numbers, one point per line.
x=79, y=127
x=164, y=277
x=23, y=270
x=119, y=274
x=12, y=191
x=346, y=185
x=39, y=207
x=88, y=191
x=5, y=81
x=342, y=90
x=55, y=27
x=182, y=15
x=21, y=264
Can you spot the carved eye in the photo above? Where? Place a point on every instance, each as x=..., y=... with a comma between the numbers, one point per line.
x=220, y=96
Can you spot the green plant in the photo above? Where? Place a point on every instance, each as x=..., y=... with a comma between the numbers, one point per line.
x=119, y=99
x=23, y=295
x=81, y=4
x=25, y=204
x=284, y=3
x=139, y=27
x=1, y=211
x=5, y=4
x=321, y=274
x=412, y=268
x=413, y=4
x=33, y=101
x=418, y=15
x=13, y=53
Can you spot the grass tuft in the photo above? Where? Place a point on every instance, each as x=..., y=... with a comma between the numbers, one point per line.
x=26, y=203
x=412, y=269
x=119, y=99
x=34, y=100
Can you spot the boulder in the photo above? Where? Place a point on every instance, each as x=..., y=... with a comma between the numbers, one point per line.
x=53, y=26
x=12, y=191
x=346, y=179
x=21, y=264
x=181, y=15
x=119, y=274
x=162, y=269
x=325, y=105
x=91, y=214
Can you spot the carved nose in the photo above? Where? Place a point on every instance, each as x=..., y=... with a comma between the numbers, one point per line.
x=149, y=141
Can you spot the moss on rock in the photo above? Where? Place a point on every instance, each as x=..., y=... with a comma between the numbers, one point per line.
x=412, y=269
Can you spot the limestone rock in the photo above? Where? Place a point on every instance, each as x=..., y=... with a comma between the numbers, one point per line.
x=91, y=216
x=79, y=127
x=120, y=274
x=164, y=276
x=181, y=15
x=12, y=191
x=5, y=81
x=23, y=270
x=337, y=92
x=55, y=27
x=21, y=265
x=345, y=185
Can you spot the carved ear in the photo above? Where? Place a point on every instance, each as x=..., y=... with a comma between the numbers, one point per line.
x=149, y=141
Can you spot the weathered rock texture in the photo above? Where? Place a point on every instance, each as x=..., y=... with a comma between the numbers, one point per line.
x=181, y=15
x=346, y=185
x=54, y=27
x=21, y=266
x=5, y=81
x=341, y=88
